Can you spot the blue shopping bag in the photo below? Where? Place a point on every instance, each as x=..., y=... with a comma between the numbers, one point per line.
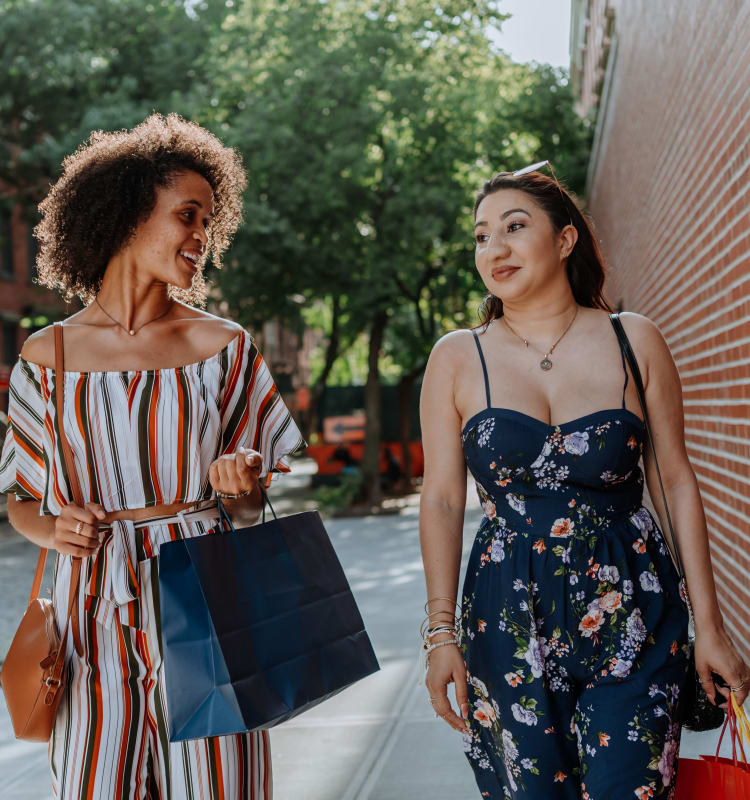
x=257, y=624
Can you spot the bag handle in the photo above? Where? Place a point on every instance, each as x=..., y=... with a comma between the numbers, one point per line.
x=75, y=486
x=742, y=724
x=226, y=521
x=630, y=356
x=739, y=729
x=53, y=681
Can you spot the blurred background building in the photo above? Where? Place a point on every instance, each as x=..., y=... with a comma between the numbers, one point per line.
x=668, y=84
x=24, y=306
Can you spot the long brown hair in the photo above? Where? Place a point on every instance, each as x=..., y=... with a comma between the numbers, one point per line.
x=585, y=265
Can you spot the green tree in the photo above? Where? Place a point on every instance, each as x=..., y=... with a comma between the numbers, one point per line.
x=70, y=67
x=366, y=128
x=353, y=124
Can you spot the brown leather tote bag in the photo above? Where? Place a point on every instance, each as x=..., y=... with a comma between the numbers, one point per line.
x=33, y=674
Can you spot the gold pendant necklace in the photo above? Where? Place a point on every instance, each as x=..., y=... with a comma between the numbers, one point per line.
x=132, y=331
x=546, y=362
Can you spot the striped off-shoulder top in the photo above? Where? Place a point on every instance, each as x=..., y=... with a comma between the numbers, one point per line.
x=144, y=437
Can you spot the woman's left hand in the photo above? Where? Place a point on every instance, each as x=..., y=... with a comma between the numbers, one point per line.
x=236, y=473
x=714, y=652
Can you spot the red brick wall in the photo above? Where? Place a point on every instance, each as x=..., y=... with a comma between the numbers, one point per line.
x=670, y=195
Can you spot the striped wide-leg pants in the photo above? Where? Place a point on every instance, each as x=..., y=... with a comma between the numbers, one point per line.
x=110, y=739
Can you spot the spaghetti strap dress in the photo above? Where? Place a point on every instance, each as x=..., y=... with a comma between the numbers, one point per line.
x=140, y=438
x=573, y=630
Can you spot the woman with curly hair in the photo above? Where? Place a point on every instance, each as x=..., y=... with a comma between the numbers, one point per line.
x=166, y=406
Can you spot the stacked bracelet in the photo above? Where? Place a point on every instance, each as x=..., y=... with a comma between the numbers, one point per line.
x=432, y=647
x=225, y=496
x=428, y=631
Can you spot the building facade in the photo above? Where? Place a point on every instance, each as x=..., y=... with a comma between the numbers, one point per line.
x=669, y=192
x=24, y=306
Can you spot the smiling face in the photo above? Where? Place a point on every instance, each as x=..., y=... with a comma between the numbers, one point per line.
x=170, y=245
x=517, y=251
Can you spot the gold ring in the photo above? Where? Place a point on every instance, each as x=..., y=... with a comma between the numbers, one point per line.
x=736, y=688
x=79, y=526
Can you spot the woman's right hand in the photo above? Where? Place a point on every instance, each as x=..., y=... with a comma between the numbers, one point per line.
x=446, y=665
x=77, y=530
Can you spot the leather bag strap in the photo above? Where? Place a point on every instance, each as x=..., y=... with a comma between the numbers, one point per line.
x=38, y=575
x=634, y=369
x=75, y=487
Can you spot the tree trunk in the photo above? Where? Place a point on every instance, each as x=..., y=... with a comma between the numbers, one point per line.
x=312, y=417
x=405, y=389
x=371, y=459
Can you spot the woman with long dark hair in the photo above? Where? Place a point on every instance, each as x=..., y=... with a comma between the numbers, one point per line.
x=572, y=650
x=165, y=407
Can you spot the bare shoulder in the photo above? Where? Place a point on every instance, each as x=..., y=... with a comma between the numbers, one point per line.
x=643, y=333
x=39, y=348
x=650, y=347
x=212, y=331
x=190, y=335
x=451, y=350
x=442, y=377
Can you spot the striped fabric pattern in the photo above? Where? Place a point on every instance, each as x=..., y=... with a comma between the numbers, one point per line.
x=110, y=738
x=144, y=437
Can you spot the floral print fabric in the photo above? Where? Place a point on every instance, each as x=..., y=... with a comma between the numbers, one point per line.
x=573, y=631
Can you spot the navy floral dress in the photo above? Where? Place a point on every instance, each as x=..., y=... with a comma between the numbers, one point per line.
x=573, y=630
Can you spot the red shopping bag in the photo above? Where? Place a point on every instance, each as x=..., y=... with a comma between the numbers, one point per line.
x=714, y=777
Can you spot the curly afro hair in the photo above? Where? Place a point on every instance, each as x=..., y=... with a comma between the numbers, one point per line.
x=108, y=187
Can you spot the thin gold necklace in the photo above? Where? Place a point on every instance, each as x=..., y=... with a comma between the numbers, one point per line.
x=546, y=362
x=133, y=331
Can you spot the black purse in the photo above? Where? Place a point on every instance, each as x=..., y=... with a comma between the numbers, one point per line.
x=697, y=711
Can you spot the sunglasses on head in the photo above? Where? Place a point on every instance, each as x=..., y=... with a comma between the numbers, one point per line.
x=536, y=166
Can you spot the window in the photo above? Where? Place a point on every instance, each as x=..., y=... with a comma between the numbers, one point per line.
x=10, y=341
x=6, y=246
x=32, y=249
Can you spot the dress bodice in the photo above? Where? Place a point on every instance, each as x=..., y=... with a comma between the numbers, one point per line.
x=546, y=477
x=541, y=477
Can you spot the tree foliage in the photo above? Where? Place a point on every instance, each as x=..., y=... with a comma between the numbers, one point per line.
x=70, y=67
x=366, y=127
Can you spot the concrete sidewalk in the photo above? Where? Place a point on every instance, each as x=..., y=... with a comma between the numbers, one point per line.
x=379, y=739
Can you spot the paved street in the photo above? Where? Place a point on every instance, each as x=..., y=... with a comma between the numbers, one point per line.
x=377, y=740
